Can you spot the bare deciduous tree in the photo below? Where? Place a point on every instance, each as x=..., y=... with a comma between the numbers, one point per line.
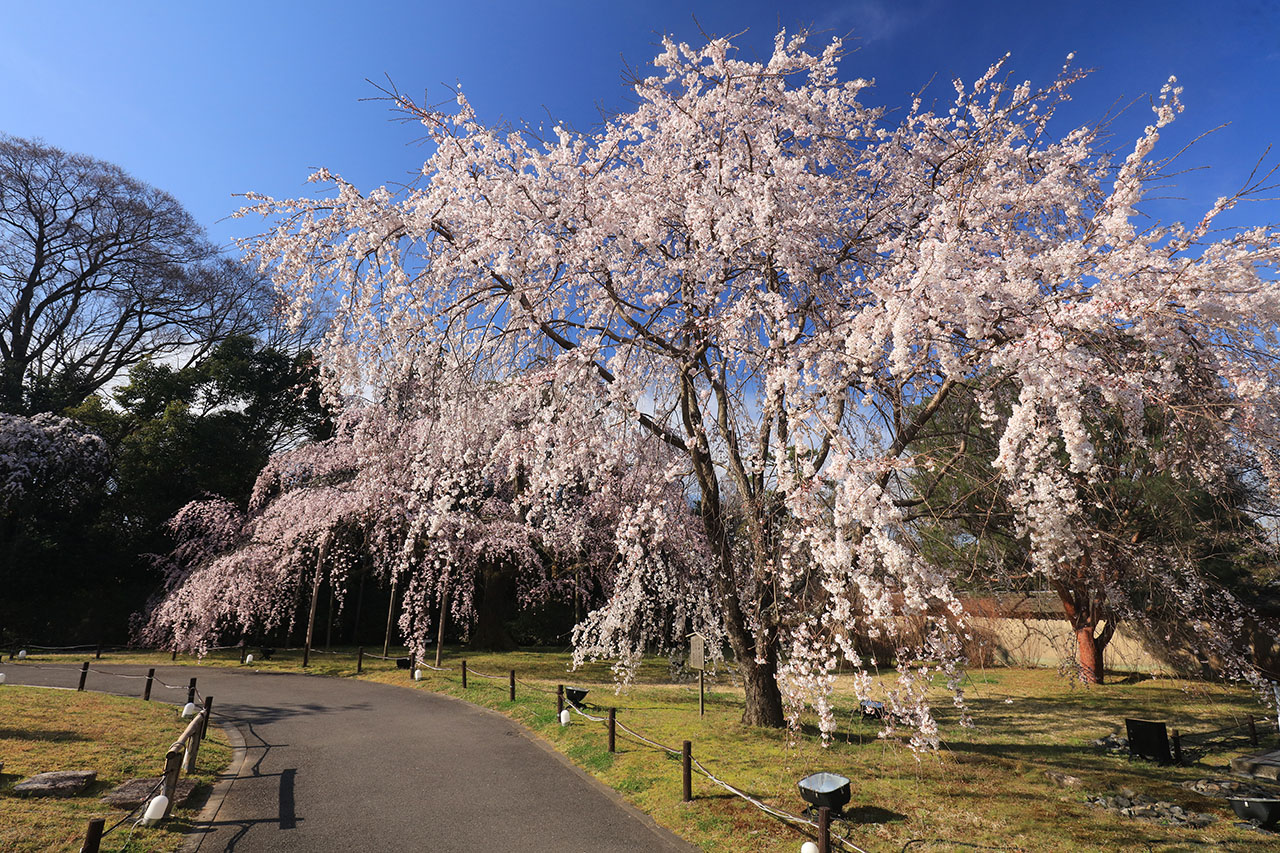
x=99, y=271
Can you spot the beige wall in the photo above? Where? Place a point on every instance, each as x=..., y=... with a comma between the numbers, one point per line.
x=1051, y=642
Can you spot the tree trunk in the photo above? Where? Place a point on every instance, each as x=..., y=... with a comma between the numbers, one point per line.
x=1089, y=649
x=494, y=608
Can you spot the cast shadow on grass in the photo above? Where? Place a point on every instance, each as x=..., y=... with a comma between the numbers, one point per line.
x=871, y=814
x=50, y=735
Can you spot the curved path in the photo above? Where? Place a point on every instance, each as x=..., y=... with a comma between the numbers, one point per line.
x=341, y=764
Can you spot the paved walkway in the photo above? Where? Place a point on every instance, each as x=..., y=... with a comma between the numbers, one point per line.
x=339, y=764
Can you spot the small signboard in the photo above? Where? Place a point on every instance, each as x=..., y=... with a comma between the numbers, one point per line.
x=697, y=651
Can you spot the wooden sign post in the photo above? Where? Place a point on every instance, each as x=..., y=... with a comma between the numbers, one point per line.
x=697, y=660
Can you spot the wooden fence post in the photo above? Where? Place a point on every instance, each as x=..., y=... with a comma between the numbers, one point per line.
x=146, y=691
x=191, y=692
x=613, y=729
x=824, y=830
x=1253, y=732
x=1177, y=747
x=559, y=700
x=464, y=673
x=208, y=710
x=359, y=660
x=512, y=693
x=97, y=655
x=174, y=654
x=172, y=764
x=686, y=764
x=244, y=650
x=93, y=835
x=84, y=673
x=193, y=749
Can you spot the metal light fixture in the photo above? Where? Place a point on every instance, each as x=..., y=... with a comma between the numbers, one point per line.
x=826, y=789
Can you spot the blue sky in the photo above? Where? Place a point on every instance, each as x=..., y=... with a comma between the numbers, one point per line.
x=209, y=100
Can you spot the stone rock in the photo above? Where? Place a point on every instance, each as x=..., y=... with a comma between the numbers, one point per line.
x=1064, y=779
x=59, y=783
x=1263, y=765
x=135, y=792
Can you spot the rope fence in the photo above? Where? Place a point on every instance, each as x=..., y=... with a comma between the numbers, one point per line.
x=819, y=829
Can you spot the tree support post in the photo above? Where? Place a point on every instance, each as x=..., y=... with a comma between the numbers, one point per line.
x=315, y=597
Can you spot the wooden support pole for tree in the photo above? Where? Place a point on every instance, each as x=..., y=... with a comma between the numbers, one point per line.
x=315, y=597
x=512, y=692
x=613, y=729
x=146, y=691
x=84, y=673
x=444, y=615
x=391, y=608
x=93, y=835
x=464, y=672
x=686, y=765
x=824, y=830
x=359, y=660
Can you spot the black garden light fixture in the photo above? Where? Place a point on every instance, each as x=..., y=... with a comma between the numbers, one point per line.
x=826, y=789
x=1263, y=811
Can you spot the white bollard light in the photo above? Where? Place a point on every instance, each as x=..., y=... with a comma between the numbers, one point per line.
x=22, y=654
x=564, y=717
x=189, y=709
x=248, y=659
x=155, y=810
x=1, y=678
x=808, y=847
x=417, y=675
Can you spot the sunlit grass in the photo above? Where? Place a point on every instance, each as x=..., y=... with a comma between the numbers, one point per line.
x=119, y=737
x=986, y=785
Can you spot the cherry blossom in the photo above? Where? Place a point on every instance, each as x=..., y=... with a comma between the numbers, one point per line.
x=780, y=288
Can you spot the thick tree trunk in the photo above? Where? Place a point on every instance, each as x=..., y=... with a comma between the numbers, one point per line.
x=763, y=698
x=1089, y=654
x=495, y=606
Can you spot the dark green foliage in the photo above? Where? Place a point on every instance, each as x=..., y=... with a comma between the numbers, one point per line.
x=175, y=434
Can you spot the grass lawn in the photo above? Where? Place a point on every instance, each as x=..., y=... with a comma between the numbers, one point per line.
x=120, y=738
x=985, y=788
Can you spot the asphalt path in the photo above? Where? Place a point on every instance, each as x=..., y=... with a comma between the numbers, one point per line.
x=333, y=764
